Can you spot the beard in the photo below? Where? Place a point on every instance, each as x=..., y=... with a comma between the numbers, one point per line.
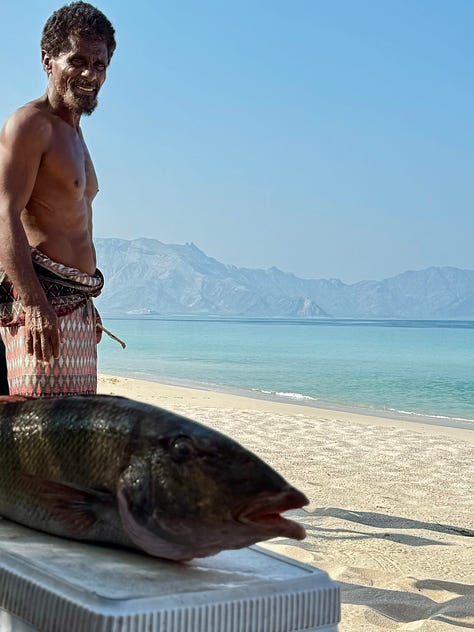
x=80, y=102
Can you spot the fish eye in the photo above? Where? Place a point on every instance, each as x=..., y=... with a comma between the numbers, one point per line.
x=182, y=448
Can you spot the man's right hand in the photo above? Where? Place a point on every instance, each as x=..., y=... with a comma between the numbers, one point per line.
x=42, y=332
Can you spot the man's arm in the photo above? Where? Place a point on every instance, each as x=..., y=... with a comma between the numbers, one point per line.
x=23, y=142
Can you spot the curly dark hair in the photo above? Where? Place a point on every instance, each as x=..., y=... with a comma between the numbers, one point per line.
x=79, y=19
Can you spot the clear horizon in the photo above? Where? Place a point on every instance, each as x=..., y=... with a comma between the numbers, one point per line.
x=328, y=140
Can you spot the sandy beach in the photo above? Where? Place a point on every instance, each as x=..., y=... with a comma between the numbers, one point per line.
x=391, y=513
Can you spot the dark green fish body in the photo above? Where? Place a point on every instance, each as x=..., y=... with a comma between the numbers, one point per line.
x=112, y=470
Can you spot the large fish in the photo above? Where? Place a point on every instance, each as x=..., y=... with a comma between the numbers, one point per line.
x=113, y=470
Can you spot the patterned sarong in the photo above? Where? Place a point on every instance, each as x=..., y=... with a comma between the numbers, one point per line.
x=70, y=293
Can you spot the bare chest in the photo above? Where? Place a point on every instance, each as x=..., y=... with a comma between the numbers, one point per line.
x=66, y=169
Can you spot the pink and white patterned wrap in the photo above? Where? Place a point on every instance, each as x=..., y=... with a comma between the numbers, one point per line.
x=75, y=371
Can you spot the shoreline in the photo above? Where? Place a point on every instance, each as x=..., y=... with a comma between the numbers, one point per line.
x=222, y=396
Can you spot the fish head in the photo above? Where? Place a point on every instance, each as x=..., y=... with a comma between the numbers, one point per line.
x=195, y=492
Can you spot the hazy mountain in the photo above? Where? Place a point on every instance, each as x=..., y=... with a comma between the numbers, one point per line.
x=145, y=276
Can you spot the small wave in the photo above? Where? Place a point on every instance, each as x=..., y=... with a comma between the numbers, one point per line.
x=430, y=416
x=296, y=396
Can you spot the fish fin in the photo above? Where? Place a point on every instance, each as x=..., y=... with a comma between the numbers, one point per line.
x=78, y=508
x=8, y=399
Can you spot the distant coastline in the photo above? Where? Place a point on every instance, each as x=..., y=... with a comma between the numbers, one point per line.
x=460, y=323
x=146, y=276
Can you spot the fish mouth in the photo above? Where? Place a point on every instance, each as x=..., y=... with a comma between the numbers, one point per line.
x=264, y=513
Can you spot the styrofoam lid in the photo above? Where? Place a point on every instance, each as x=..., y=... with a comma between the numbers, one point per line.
x=59, y=585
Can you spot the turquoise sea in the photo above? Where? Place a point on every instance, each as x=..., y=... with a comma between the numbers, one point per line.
x=402, y=368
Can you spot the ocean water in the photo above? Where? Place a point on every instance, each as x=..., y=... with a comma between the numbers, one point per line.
x=405, y=368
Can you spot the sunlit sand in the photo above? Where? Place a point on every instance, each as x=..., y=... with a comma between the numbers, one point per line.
x=391, y=513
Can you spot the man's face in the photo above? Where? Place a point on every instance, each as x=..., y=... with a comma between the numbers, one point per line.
x=78, y=74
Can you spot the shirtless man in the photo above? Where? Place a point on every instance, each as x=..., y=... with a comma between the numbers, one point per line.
x=47, y=185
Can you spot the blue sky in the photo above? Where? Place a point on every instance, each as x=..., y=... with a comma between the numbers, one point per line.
x=329, y=139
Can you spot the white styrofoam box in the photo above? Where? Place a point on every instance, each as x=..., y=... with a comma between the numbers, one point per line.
x=50, y=584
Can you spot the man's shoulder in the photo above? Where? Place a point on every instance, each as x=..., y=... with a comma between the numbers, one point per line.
x=30, y=122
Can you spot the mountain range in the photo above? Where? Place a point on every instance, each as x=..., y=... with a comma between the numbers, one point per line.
x=148, y=277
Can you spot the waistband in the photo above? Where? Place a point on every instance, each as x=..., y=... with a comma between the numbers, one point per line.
x=66, y=289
